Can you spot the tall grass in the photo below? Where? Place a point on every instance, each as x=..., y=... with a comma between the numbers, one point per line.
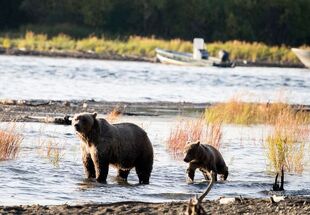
x=10, y=141
x=51, y=149
x=237, y=112
x=192, y=130
x=145, y=47
x=285, y=146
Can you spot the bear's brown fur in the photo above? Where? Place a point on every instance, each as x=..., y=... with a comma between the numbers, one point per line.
x=206, y=158
x=123, y=145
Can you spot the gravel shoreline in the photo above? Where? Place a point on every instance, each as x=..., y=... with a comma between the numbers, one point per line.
x=52, y=111
x=49, y=110
x=291, y=205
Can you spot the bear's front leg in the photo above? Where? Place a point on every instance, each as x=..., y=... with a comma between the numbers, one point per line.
x=101, y=167
x=102, y=172
x=89, y=167
x=191, y=172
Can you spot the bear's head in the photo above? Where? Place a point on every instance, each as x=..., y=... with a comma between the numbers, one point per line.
x=84, y=122
x=191, y=151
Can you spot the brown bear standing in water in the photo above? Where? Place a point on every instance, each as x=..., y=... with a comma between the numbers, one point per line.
x=123, y=145
x=206, y=158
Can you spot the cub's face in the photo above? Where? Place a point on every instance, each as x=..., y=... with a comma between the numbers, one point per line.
x=83, y=122
x=190, y=151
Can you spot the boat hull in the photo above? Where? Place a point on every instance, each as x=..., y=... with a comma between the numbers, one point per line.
x=186, y=59
x=303, y=55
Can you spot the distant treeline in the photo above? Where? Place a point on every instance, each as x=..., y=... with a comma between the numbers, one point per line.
x=273, y=22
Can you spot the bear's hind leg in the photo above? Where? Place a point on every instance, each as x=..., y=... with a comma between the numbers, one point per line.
x=144, y=173
x=215, y=176
x=225, y=175
x=123, y=174
x=205, y=174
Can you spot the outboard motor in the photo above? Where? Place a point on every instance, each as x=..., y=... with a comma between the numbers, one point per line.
x=204, y=54
x=223, y=55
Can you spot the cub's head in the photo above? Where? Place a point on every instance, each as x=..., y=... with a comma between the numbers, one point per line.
x=83, y=122
x=191, y=151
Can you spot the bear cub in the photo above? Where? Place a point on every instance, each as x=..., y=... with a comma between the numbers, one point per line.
x=124, y=146
x=205, y=158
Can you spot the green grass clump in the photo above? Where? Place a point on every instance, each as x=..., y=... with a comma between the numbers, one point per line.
x=285, y=146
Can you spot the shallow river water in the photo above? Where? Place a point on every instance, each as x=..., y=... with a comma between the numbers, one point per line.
x=65, y=79
x=33, y=179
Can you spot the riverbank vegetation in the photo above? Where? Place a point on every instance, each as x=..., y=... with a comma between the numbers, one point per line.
x=10, y=141
x=51, y=149
x=285, y=143
x=145, y=47
x=237, y=112
x=193, y=130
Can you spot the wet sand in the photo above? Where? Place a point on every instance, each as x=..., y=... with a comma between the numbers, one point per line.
x=291, y=205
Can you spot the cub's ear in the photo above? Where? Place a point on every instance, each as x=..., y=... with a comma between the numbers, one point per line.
x=197, y=142
x=188, y=142
x=94, y=115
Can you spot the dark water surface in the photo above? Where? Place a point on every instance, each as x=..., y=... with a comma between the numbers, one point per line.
x=33, y=179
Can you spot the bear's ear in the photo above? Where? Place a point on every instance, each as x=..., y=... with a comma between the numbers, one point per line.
x=94, y=115
x=197, y=142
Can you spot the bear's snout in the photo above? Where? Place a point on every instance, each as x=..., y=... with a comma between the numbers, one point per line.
x=186, y=160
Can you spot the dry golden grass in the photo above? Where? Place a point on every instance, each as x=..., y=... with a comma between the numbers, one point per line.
x=192, y=130
x=10, y=141
x=238, y=112
x=145, y=47
x=114, y=115
x=285, y=146
x=51, y=149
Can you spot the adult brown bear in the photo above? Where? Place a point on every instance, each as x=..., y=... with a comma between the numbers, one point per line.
x=123, y=145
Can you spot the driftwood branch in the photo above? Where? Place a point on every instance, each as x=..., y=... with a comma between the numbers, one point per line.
x=204, y=194
x=194, y=206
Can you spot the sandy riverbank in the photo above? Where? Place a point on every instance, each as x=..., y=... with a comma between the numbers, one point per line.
x=291, y=205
